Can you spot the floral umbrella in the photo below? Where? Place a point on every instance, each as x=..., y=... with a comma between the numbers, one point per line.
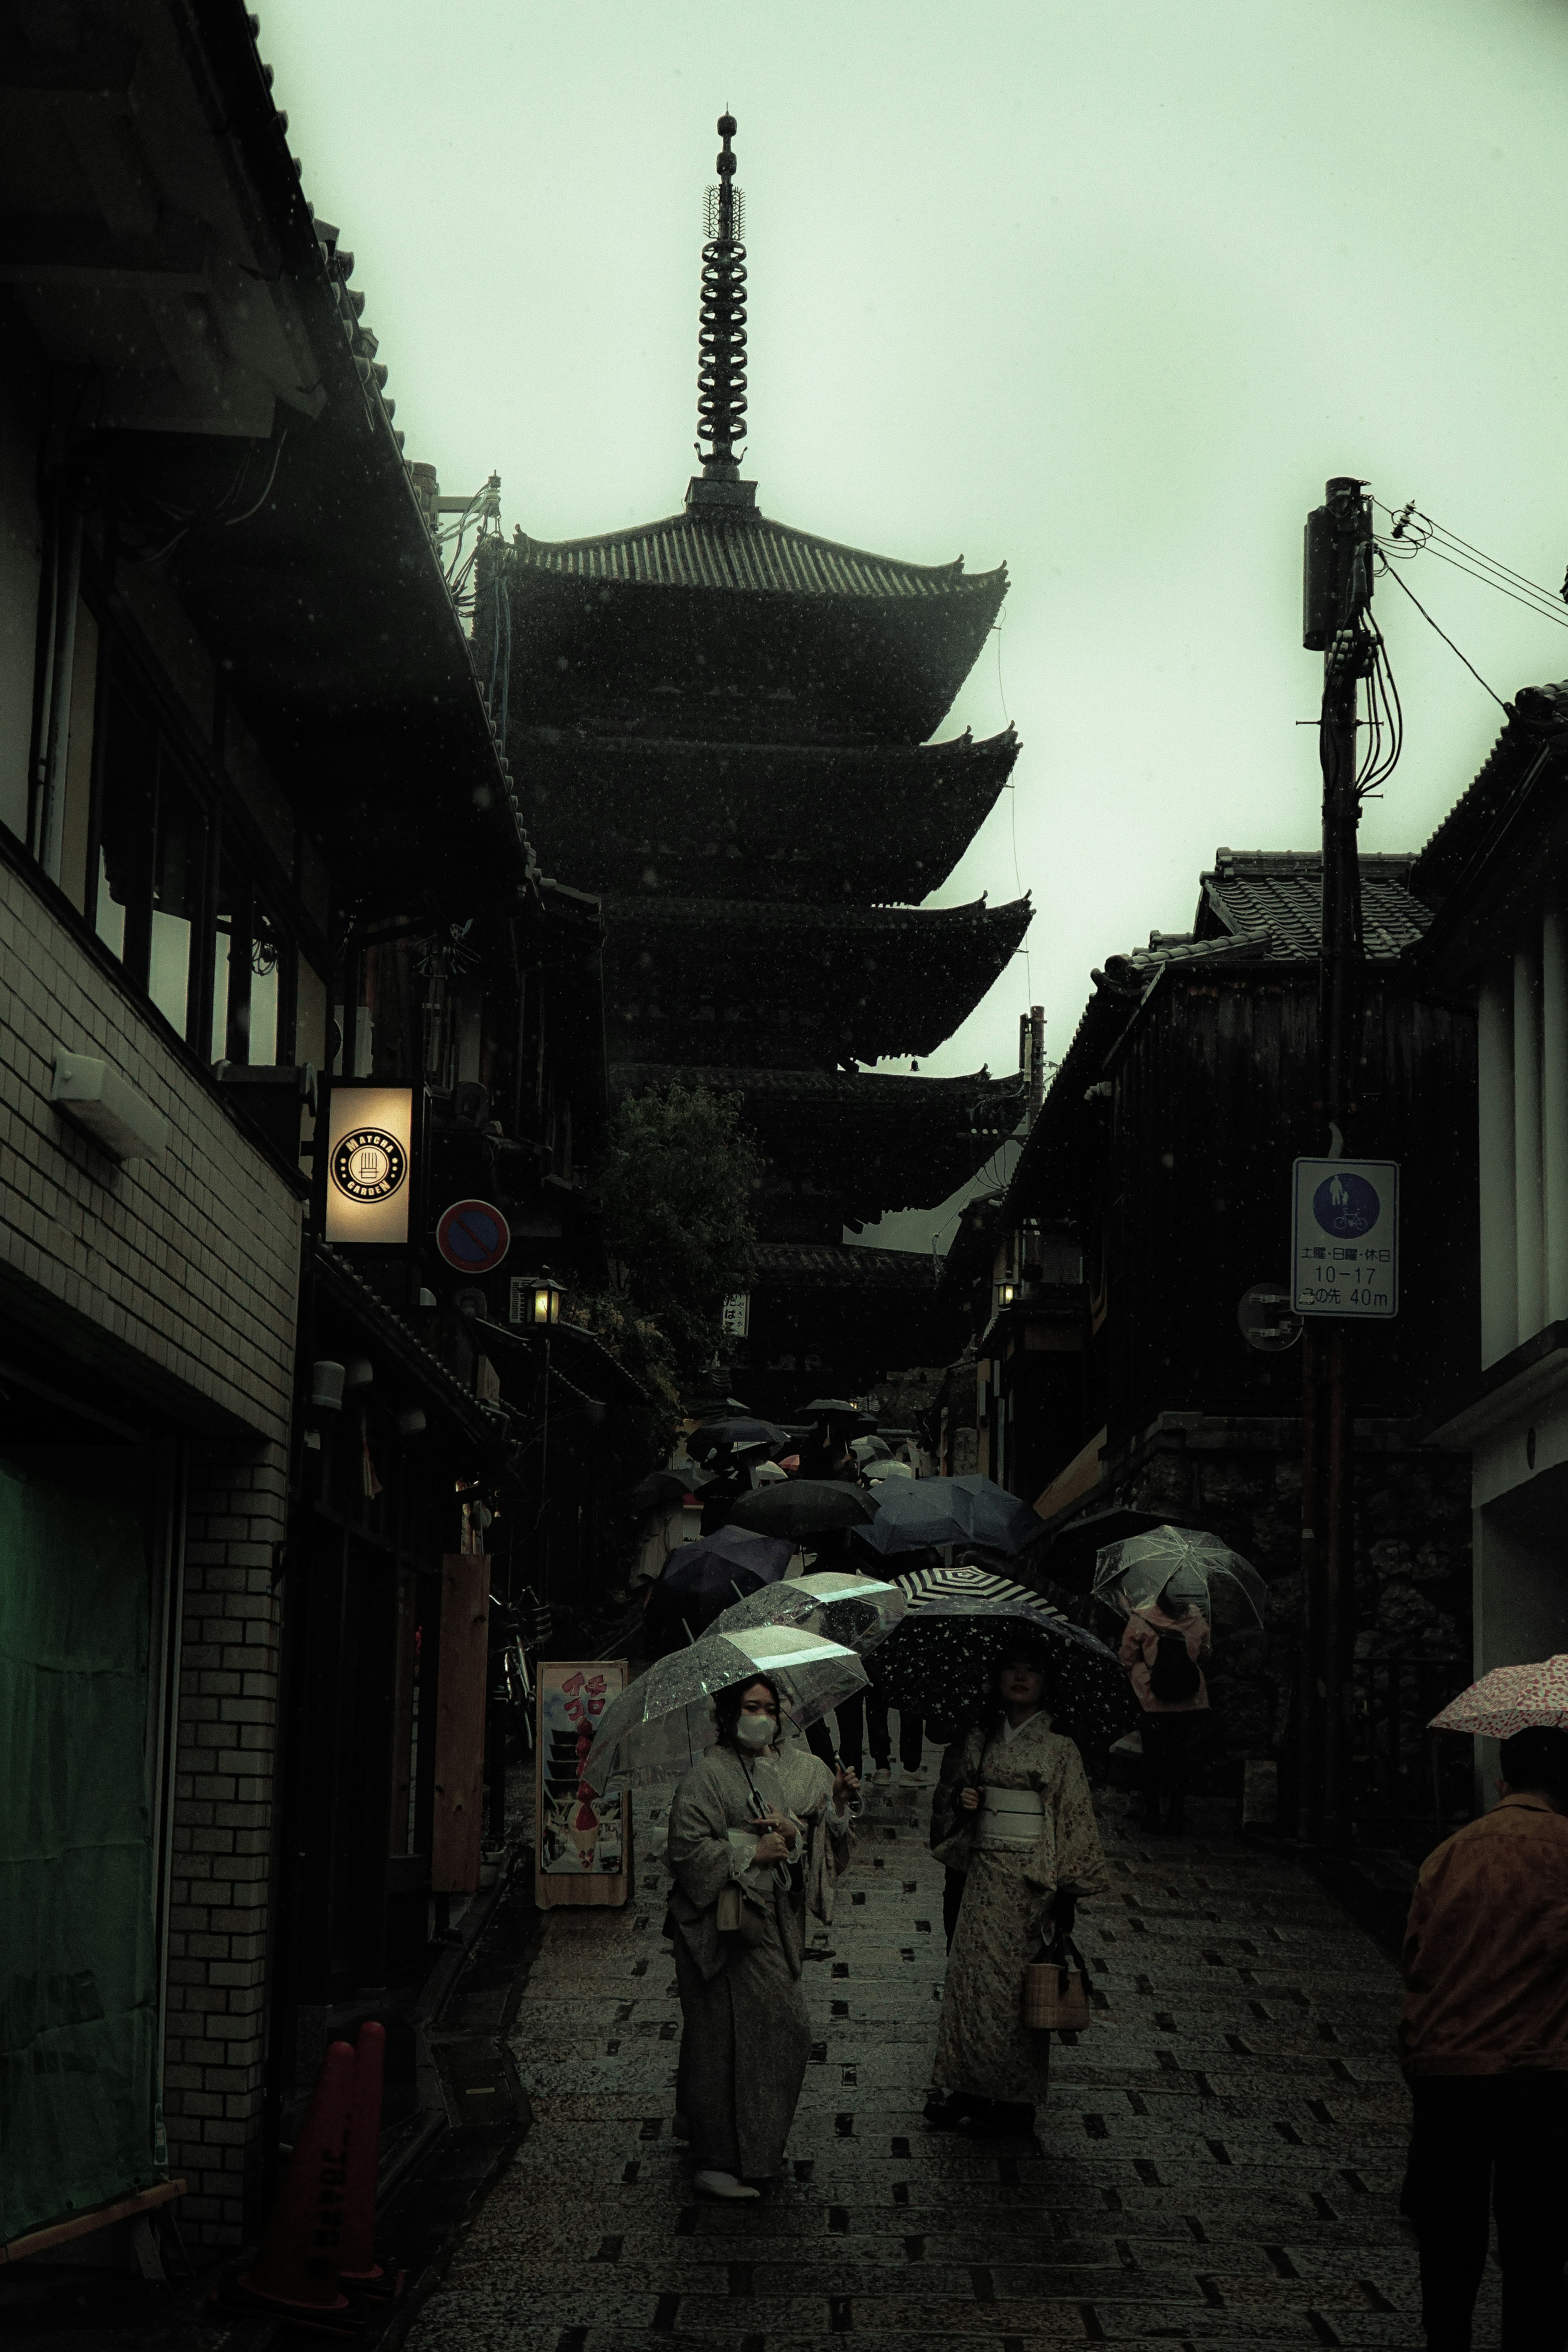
x=1201, y=1570
x=659, y=1725
x=839, y=1604
x=941, y=1660
x=1511, y=1699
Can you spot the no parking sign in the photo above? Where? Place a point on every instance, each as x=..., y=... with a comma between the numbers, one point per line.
x=473, y=1236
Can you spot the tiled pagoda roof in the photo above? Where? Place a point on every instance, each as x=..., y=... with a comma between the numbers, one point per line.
x=708, y=549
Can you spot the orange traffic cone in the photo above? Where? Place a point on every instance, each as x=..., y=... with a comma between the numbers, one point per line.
x=356, y=2248
x=296, y=2265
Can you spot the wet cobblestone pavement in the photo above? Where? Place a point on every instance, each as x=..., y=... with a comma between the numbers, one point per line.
x=1219, y=2163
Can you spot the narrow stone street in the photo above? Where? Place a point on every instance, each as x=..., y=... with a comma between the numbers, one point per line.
x=1219, y=2164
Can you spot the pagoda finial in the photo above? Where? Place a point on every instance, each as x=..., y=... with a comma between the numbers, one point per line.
x=721, y=339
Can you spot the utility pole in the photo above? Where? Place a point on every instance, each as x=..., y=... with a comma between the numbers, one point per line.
x=1337, y=594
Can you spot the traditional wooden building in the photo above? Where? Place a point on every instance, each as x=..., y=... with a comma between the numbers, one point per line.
x=1114, y=1385
x=720, y=723
x=257, y=843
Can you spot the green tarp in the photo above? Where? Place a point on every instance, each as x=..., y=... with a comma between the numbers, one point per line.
x=78, y=2119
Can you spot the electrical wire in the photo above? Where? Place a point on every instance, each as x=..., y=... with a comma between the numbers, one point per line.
x=1449, y=641
x=1415, y=533
x=1012, y=796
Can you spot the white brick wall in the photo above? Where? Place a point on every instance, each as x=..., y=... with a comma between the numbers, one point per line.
x=214, y=2035
x=190, y=1264
x=190, y=1261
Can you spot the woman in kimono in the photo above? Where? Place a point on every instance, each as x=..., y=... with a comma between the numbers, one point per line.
x=758, y=1832
x=1013, y=1812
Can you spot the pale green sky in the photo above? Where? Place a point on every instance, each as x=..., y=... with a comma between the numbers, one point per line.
x=1105, y=291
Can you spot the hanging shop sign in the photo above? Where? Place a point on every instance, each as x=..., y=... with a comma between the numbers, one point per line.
x=473, y=1236
x=583, y=1841
x=737, y=1315
x=1345, y=1238
x=370, y=1153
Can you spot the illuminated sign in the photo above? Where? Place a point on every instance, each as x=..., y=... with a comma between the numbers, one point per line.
x=369, y=1151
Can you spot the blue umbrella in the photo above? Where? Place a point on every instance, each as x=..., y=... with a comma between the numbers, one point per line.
x=914, y=1515
x=701, y=1580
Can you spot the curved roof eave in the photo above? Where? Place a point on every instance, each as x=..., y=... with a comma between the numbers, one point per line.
x=759, y=554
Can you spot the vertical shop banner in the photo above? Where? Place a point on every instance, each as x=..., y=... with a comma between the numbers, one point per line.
x=583, y=1841
x=370, y=1154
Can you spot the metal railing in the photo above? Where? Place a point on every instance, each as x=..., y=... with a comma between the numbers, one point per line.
x=1400, y=1771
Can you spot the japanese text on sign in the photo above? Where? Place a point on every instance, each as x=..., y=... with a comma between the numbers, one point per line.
x=1345, y=1240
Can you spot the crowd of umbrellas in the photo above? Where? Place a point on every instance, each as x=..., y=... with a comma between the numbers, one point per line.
x=748, y=1600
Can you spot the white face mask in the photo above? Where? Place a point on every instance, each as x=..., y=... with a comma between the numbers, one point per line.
x=756, y=1730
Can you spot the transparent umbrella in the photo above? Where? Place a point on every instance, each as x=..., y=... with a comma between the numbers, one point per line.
x=838, y=1603
x=664, y=1721
x=1201, y=1570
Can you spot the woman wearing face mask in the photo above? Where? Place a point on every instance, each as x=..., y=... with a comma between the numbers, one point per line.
x=758, y=1832
x=1014, y=1814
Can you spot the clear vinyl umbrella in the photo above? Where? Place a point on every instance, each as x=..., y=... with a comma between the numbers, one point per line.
x=1201, y=1570
x=659, y=1725
x=838, y=1603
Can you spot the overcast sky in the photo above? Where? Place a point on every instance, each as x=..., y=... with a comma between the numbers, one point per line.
x=1103, y=291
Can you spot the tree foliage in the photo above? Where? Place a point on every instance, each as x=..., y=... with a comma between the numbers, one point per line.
x=675, y=1185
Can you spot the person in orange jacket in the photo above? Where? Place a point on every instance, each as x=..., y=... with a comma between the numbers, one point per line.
x=1160, y=1648
x=1484, y=2043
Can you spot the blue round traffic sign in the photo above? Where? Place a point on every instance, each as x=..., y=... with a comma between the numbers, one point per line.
x=1346, y=1206
x=473, y=1236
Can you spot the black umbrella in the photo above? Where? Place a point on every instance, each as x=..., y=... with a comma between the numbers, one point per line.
x=804, y=1507
x=737, y=1428
x=713, y=1562
x=941, y=1660
x=659, y=1491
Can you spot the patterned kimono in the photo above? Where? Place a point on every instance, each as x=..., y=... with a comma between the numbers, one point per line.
x=746, y=2036
x=1039, y=1833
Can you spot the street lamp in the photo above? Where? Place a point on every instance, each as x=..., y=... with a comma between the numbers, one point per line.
x=1005, y=1293
x=536, y=1298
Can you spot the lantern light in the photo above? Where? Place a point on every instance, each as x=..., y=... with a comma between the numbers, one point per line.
x=536, y=1298
x=1006, y=1292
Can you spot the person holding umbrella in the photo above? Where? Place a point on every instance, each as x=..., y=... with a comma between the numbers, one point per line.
x=1483, y=2036
x=1022, y=1829
x=758, y=1832
x=1161, y=1647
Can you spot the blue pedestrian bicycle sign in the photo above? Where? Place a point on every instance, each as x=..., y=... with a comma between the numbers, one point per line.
x=1344, y=1241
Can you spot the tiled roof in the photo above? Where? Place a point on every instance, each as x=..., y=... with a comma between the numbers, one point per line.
x=709, y=550
x=814, y=1087
x=816, y=1265
x=1537, y=720
x=1282, y=890
x=697, y=919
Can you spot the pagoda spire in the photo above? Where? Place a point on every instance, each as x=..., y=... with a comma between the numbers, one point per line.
x=721, y=339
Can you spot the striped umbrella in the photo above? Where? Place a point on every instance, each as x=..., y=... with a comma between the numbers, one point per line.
x=1511, y=1699
x=927, y=1584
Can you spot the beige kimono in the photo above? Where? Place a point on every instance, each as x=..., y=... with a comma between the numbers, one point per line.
x=1037, y=1833
x=746, y=2036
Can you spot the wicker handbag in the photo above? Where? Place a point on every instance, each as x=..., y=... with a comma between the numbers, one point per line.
x=740, y=1915
x=1055, y=1991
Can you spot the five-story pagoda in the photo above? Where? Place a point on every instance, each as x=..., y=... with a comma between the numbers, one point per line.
x=721, y=725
